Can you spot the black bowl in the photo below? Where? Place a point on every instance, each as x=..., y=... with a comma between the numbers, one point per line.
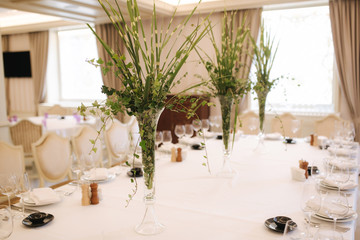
x=135, y=172
x=197, y=147
x=281, y=221
x=37, y=217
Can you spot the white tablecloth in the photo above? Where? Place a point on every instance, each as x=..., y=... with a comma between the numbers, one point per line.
x=191, y=203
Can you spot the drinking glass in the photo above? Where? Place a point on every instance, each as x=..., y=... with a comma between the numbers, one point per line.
x=253, y=124
x=23, y=188
x=339, y=175
x=189, y=130
x=295, y=126
x=167, y=138
x=196, y=123
x=158, y=138
x=179, y=131
x=310, y=203
x=86, y=163
x=205, y=124
x=8, y=185
x=6, y=222
x=337, y=206
x=291, y=233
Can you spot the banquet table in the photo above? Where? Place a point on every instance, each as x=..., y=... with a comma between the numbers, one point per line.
x=192, y=203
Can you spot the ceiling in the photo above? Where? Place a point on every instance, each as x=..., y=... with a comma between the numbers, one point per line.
x=69, y=12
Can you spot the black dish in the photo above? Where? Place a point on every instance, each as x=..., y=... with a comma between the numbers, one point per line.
x=219, y=137
x=289, y=141
x=197, y=147
x=137, y=171
x=31, y=224
x=271, y=224
x=315, y=170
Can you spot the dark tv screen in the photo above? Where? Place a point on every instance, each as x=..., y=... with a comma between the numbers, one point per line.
x=17, y=64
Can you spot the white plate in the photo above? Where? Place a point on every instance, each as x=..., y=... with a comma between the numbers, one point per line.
x=109, y=177
x=335, y=188
x=343, y=220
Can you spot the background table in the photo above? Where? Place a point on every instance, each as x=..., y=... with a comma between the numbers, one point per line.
x=191, y=203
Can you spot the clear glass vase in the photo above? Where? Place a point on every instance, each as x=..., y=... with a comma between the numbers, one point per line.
x=262, y=103
x=226, y=104
x=147, y=121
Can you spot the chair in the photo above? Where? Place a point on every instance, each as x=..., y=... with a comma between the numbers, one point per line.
x=326, y=126
x=247, y=123
x=133, y=127
x=11, y=159
x=58, y=110
x=25, y=133
x=52, y=156
x=82, y=145
x=117, y=140
x=284, y=124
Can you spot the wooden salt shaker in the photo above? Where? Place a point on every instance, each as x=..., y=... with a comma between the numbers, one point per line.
x=85, y=200
x=94, y=193
x=173, y=155
x=179, y=157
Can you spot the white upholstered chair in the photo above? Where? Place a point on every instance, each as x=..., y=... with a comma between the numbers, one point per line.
x=53, y=158
x=283, y=124
x=247, y=120
x=58, y=110
x=326, y=126
x=117, y=140
x=11, y=159
x=82, y=145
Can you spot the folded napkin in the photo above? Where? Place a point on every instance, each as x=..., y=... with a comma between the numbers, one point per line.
x=343, y=163
x=343, y=186
x=115, y=170
x=42, y=196
x=98, y=174
x=273, y=136
x=342, y=151
x=298, y=174
x=329, y=208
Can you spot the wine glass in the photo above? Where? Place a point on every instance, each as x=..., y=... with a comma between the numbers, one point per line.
x=8, y=185
x=158, y=138
x=196, y=123
x=189, y=130
x=310, y=203
x=23, y=188
x=205, y=124
x=6, y=222
x=179, y=131
x=253, y=124
x=337, y=206
x=295, y=126
x=86, y=163
x=340, y=175
x=167, y=138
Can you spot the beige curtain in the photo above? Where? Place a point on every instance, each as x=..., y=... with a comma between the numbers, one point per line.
x=109, y=34
x=5, y=48
x=345, y=23
x=39, y=44
x=252, y=21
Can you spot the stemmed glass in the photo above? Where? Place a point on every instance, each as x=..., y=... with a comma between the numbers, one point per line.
x=167, y=138
x=23, y=188
x=205, y=124
x=310, y=203
x=158, y=138
x=253, y=124
x=6, y=222
x=189, y=130
x=196, y=123
x=86, y=163
x=8, y=185
x=337, y=206
x=339, y=175
x=295, y=126
x=179, y=131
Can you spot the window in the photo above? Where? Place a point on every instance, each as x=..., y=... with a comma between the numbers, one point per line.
x=78, y=80
x=306, y=54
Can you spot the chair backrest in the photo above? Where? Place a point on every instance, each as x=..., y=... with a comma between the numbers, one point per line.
x=25, y=133
x=82, y=145
x=247, y=121
x=326, y=126
x=133, y=127
x=117, y=139
x=57, y=110
x=52, y=156
x=283, y=125
x=11, y=159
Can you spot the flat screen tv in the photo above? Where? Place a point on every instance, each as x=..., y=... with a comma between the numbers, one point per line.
x=17, y=64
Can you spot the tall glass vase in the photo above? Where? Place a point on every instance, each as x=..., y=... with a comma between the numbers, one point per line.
x=226, y=104
x=147, y=121
x=261, y=96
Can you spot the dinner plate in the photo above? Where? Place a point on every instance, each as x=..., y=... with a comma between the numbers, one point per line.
x=271, y=224
x=330, y=187
x=341, y=220
x=110, y=177
x=31, y=224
